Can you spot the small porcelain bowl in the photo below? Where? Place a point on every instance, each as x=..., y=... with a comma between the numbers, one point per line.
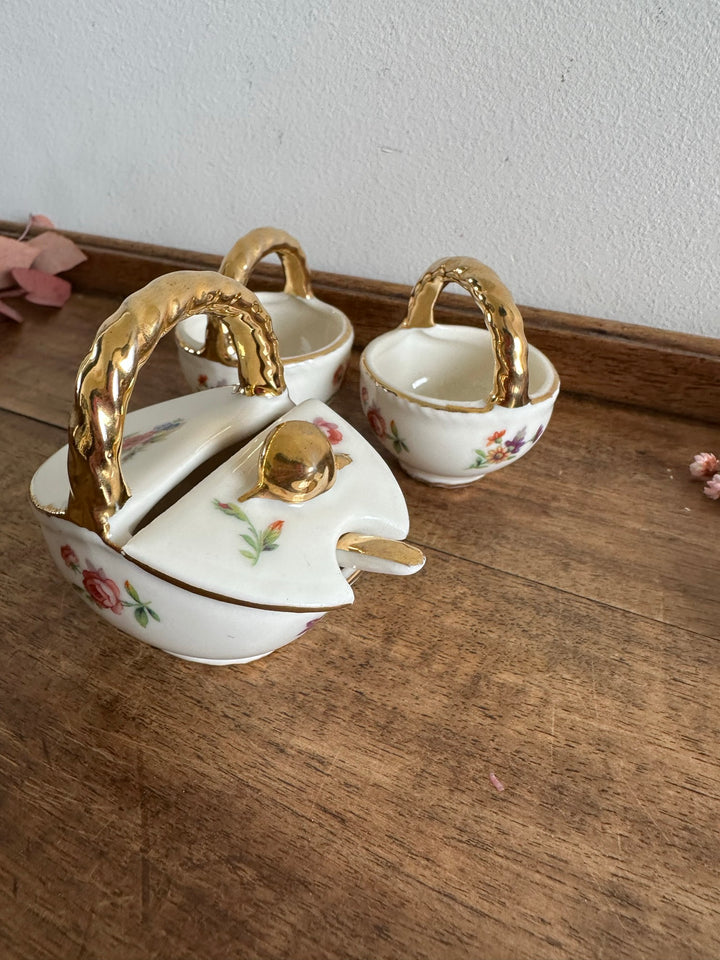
x=315, y=338
x=454, y=403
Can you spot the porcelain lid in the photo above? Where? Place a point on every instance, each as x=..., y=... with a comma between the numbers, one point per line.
x=266, y=551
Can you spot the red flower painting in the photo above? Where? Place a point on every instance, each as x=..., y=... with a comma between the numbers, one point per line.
x=377, y=422
x=102, y=590
x=331, y=430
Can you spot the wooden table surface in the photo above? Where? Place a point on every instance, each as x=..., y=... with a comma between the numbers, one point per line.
x=334, y=799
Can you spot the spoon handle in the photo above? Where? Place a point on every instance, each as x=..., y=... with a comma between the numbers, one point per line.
x=378, y=554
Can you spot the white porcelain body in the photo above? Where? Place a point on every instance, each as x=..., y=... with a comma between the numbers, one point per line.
x=418, y=388
x=185, y=580
x=315, y=341
x=188, y=625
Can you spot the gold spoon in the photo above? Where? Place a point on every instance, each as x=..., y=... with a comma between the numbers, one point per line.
x=296, y=464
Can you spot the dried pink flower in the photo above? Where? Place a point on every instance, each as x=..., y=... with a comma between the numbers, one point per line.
x=712, y=487
x=496, y=782
x=28, y=267
x=704, y=465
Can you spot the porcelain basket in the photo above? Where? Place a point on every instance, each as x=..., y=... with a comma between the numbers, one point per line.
x=229, y=566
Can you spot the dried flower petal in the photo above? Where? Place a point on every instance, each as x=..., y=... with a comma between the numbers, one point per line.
x=498, y=784
x=7, y=311
x=36, y=220
x=40, y=220
x=57, y=253
x=14, y=254
x=704, y=465
x=43, y=288
x=712, y=488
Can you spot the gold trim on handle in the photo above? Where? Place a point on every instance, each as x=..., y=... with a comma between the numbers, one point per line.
x=502, y=318
x=123, y=343
x=239, y=264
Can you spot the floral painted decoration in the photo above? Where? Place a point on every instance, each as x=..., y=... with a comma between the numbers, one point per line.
x=706, y=466
x=377, y=421
x=101, y=590
x=204, y=382
x=138, y=441
x=29, y=268
x=398, y=443
x=308, y=626
x=339, y=375
x=70, y=558
x=331, y=430
x=258, y=542
x=497, y=449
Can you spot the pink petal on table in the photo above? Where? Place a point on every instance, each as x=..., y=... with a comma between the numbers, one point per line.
x=57, y=253
x=14, y=254
x=497, y=783
x=43, y=288
x=7, y=311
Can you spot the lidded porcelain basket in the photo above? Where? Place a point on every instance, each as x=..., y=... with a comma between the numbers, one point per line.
x=231, y=566
x=315, y=338
x=452, y=402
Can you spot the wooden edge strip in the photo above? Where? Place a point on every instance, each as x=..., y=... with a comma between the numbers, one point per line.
x=662, y=370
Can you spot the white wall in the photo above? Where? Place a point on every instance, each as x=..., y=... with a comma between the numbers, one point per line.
x=571, y=144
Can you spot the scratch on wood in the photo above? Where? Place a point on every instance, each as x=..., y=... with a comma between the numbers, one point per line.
x=594, y=692
x=321, y=786
x=144, y=862
x=646, y=810
x=83, y=943
x=145, y=888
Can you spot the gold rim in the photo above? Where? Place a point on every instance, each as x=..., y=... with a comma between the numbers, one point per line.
x=199, y=591
x=191, y=588
x=449, y=407
x=286, y=362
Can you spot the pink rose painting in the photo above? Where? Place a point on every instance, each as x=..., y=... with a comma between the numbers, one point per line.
x=377, y=422
x=102, y=590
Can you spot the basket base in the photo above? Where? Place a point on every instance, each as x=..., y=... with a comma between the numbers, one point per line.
x=432, y=480
x=218, y=663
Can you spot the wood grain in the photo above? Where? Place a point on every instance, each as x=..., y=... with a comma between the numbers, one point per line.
x=335, y=798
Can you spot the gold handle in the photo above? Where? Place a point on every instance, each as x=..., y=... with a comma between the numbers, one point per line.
x=240, y=263
x=380, y=554
x=123, y=343
x=502, y=317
